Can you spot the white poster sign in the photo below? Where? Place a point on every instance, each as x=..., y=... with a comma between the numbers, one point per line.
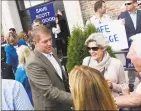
x=115, y=33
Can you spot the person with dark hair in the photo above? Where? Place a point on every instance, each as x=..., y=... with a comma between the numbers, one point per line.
x=139, y=6
x=62, y=37
x=99, y=17
x=37, y=22
x=12, y=30
x=98, y=5
x=54, y=31
x=132, y=18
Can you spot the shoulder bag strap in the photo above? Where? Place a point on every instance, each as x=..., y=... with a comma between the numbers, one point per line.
x=89, y=61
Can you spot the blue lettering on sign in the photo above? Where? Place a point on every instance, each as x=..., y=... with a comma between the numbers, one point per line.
x=42, y=9
x=116, y=38
x=103, y=28
x=110, y=38
x=98, y=29
x=113, y=38
x=45, y=12
x=107, y=28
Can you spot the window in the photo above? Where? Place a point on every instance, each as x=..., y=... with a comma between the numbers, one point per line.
x=30, y=3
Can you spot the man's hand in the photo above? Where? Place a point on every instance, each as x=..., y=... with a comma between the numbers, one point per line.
x=122, y=21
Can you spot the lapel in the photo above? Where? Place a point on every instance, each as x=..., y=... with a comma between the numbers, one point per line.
x=46, y=61
x=129, y=22
x=138, y=19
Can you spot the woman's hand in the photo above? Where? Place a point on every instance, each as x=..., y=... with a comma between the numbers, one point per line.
x=125, y=89
x=110, y=84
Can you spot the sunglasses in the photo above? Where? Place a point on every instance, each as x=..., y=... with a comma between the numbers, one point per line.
x=93, y=48
x=139, y=4
x=126, y=4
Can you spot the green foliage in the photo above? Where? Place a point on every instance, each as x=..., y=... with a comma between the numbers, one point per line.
x=109, y=50
x=89, y=30
x=76, y=49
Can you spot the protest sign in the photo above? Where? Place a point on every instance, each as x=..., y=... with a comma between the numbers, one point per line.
x=114, y=31
x=45, y=12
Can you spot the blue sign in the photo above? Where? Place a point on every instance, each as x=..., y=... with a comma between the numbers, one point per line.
x=44, y=12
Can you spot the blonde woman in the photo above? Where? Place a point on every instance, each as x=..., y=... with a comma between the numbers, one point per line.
x=22, y=38
x=90, y=90
x=10, y=50
x=21, y=35
x=23, y=54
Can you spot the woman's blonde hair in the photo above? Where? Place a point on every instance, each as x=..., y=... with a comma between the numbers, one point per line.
x=21, y=35
x=23, y=54
x=90, y=90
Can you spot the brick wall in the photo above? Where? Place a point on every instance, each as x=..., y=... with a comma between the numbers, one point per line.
x=113, y=8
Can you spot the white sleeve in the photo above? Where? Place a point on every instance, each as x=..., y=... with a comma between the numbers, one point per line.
x=121, y=78
x=21, y=99
x=138, y=89
x=85, y=61
x=56, y=30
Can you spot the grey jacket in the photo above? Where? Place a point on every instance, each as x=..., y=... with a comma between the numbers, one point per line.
x=48, y=89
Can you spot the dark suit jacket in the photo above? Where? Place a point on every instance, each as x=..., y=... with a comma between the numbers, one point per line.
x=129, y=26
x=48, y=89
x=64, y=34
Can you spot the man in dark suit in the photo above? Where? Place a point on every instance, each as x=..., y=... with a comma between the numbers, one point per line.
x=132, y=19
x=48, y=80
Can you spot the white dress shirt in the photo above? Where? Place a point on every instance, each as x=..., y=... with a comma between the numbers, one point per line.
x=134, y=18
x=54, y=63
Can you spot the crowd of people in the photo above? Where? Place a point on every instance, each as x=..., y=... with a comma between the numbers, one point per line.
x=33, y=77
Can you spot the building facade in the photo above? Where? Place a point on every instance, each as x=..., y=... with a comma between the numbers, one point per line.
x=16, y=14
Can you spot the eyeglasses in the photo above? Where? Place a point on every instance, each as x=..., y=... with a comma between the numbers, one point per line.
x=126, y=4
x=93, y=48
